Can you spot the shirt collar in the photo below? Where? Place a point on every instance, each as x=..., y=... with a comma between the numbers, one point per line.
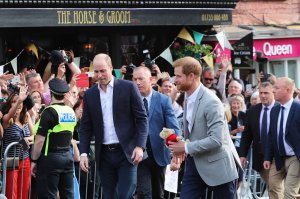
x=148, y=97
x=194, y=95
x=110, y=84
x=288, y=104
x=270, y=106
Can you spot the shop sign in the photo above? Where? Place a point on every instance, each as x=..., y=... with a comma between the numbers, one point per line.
x=271, y=48
x=53, y=17
x=278, y=48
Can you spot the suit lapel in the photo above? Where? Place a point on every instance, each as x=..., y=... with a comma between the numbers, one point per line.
x=257, y=119
x=96, y=96
x=185, y=125
x=196, y=104
x=290, y=116
x=116, y=94
x=275, y=118
x=154, y=101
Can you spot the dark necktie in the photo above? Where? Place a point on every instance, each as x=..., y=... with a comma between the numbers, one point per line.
x=148, y=143
x=146, y=105
x=280, y=137
x=264, y=129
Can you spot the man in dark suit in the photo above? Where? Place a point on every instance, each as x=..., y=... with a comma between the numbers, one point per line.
x=151, y=171
x=256, y=130
x=283, y=150
x=211, y=154
x=114, y=113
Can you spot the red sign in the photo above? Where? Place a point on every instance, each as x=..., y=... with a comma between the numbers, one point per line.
x=271, y=48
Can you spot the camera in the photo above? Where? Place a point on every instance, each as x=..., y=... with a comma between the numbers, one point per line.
x=66, y=58
x=129, y=71
x=265, y=77
x=13, y=88
x=148, y=62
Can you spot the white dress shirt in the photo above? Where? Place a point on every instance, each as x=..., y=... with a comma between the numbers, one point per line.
x=148, y=98
x=268, y=115
x=287, y=107
x=106, y=98
x=190, y=103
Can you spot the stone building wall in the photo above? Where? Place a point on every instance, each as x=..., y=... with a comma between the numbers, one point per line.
x=267, y=12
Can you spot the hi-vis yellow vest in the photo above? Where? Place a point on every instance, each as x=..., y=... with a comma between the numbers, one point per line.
x=66, y=122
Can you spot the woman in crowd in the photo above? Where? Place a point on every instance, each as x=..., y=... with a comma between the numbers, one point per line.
x=18, y=126
x=236, y=124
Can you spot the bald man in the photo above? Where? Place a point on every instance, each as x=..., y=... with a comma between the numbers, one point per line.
x=283, y=150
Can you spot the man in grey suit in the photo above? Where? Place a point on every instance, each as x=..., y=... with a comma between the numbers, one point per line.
x=210, y=160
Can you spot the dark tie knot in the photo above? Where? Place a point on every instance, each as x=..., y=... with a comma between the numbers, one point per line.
x=266, y=109
x=282, y=108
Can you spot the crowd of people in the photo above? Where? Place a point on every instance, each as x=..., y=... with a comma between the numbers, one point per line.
x=218, y=118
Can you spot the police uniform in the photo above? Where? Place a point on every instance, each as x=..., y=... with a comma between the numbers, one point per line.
x=55, y=164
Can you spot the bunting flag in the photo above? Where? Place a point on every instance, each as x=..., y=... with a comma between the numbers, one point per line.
x=1, y=69
x=209, y=60
x=198, y=37
x=77, y=61
x=14, y=65
x=223, y=41
x=167, y=55
x=33, y=49
x=184, y=34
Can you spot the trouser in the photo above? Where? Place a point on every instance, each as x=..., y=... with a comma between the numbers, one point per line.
x=55, y=173
x=18, y=181
x=285, y=183
x=150, y=179
x=118, y=176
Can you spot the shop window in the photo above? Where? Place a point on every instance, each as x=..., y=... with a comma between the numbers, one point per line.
x=277, y=68
x=292, y=69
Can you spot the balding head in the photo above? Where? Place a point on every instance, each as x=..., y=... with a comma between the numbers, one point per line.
x=102, y=69
x=284, y=89
x=142, y=78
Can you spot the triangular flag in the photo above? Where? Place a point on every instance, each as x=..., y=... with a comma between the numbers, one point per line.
x=77, y=61
x=223, y=41
x=209, y=60
x=167, y=55
x=14, y=64
x=184, y=34
x=1, y=69
x=198, y=37
x=91, y=67
x=33, y=49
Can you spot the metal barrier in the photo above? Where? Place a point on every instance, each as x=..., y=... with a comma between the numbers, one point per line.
x=89, y=183
x=15, y=164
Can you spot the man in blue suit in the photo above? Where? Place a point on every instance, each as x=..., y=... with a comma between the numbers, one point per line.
x=151, y=171
x=114, y=113
x=284, y=146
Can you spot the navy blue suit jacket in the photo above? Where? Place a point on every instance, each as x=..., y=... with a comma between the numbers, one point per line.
x=129, y=115
x=161, y=114
x=292, y=134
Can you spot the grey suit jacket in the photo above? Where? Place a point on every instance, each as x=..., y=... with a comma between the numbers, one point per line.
x=210, y=144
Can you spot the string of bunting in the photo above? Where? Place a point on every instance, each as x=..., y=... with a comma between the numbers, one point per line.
x=184, y=34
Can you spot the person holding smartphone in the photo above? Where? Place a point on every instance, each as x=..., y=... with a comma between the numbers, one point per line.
x=18, y=127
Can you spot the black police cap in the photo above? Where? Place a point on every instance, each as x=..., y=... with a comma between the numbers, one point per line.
x=58, y=86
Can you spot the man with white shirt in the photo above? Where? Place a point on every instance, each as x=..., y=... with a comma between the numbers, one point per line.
x=283, y=149
x=209, y=148
x=114, y=113
x=256, y=130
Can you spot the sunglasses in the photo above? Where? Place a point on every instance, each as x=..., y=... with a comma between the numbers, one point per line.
x=208, y=79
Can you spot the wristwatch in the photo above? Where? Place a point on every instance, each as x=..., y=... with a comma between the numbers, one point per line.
x=34, y=161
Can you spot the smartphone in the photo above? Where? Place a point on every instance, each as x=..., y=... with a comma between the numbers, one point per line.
x=265, y=77
x=83, y=81
x=23, y=144
x=249, y=87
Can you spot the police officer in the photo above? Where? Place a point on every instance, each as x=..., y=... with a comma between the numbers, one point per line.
x=52, y=163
